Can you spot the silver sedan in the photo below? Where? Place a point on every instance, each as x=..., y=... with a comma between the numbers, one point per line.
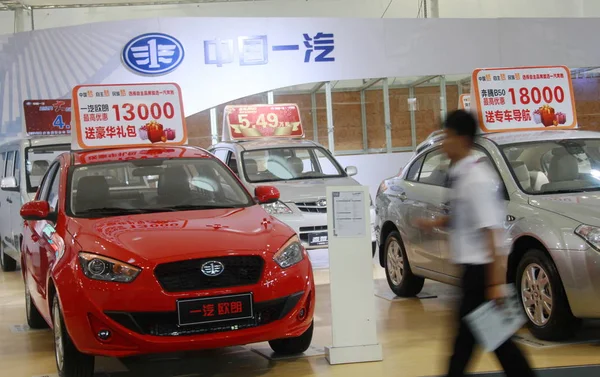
x=551, y=183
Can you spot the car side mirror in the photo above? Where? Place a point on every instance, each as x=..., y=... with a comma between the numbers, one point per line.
x=266, y=194
x=9, y=184
x=351, y=171
x=36, y=210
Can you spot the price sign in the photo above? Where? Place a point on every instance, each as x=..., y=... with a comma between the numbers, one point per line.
x=465, y=102
x=524, y=98
x=47, y=117
x=260, y=121
x=128, y=115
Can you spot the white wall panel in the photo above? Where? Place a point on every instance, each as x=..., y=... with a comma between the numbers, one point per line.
x=7, y=22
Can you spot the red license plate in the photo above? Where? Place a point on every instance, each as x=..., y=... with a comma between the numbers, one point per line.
x=215, y=309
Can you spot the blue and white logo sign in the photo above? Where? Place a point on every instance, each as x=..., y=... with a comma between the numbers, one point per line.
x=153, y=54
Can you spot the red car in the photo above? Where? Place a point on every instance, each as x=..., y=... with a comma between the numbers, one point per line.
x=136, y=251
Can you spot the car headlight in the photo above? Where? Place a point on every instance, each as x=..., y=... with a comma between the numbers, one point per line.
x=102, y=268
x=591, y=234
x=277, y=208
x=290, y=254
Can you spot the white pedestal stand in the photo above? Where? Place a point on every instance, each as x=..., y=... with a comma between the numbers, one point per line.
x=351, y=276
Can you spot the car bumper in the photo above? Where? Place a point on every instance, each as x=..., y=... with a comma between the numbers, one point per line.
x=307, y=225
x=142, y=318
x=580, y=274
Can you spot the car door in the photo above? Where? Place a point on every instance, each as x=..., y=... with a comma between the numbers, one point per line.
x=38, y=258
x=7, y=202
x=4, y=207
x=16, y=202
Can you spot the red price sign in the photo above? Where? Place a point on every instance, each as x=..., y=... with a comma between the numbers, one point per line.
x=261, y=121
x=524, y=98
x=47, y=117
x=128, y=115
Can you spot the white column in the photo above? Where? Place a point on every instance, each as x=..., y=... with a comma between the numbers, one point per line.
x=315, y=119
x=413, y=120
x=387, y=116
x=214, y=131
x=270, y=98
x=329, y=106
x=363, y=116
x=443, y=102
x=435, y=8
x=23, y=20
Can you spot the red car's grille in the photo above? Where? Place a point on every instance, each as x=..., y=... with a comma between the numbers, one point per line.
x=166, y=323
x=188, y=275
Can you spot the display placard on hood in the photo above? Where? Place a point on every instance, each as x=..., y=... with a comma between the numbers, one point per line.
x=128, y=115
x=47, y=117
x=524, y=98
x=243, y=122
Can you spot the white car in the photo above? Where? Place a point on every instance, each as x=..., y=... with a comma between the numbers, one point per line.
x=19, y=186
x=301, y=170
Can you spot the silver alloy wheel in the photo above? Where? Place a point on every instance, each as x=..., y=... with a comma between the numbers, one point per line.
x=395, y=262
x=59, y=348
x=536, y=294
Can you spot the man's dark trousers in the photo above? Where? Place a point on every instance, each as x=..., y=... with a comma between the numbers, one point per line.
x=473, y=295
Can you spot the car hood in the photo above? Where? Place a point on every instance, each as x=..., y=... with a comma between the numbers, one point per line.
x=169, y=236
x=308, y=189
x=582, y=207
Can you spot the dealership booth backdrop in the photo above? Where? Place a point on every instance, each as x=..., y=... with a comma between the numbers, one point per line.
x=236, y=60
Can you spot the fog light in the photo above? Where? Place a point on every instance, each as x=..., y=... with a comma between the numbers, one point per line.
x=301, y=314
x=104, y=334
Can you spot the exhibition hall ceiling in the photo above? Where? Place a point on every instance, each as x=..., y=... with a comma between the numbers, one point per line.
x=12, y=4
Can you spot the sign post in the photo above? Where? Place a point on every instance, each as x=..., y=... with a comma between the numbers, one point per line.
x=524, y=98
x=128, y=115
x=351, y=277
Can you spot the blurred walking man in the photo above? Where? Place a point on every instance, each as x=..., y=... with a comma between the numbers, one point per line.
x=476, y=216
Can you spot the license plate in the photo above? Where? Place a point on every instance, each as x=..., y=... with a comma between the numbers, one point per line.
x=215, y=309
x=318, y=239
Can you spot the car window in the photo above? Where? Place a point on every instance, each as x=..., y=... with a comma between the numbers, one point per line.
x=47, y=181
x=283, y=164
x=2, y=166
x=38, y=160
x=181, y=184
x=435, y=168
x=221, y=154
x=10, y=159
x=413, y=172
x=53, y=193
x=17, y=173
x=232, y=163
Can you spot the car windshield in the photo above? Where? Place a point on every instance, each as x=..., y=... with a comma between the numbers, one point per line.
x=555, y=167
x=286, y=164
x=38, y=160
x=153, y=185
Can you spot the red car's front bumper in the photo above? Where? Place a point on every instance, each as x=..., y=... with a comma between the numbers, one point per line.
x=142, y=317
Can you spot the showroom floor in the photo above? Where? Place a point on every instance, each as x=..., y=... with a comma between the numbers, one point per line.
x=414, y=333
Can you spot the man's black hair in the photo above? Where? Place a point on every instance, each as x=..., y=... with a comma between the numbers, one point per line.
x=463, y=123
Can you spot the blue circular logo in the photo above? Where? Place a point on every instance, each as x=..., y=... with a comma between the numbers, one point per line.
x=153, y=54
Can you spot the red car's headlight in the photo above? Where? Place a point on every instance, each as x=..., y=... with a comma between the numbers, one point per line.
x=291, y=253
x=97, y=267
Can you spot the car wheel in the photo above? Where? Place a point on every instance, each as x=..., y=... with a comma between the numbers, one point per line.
x=543, y=298
x=293, y=346
x=397, y=268
x=69, y=361
x=34, y=318
x=6, y=262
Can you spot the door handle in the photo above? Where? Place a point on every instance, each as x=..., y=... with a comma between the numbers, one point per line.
x=9, y=200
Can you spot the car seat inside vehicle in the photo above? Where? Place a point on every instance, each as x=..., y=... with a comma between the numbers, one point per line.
x=522, y=174
x=563, y=172
x=296, y=165
x=173, y=186
x=251, y=167
x=92, y=193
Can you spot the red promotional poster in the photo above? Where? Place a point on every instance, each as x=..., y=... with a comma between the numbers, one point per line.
x=47, y=117
x=261, y=121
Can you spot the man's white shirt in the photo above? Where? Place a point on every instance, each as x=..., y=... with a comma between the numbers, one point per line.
x=475, y=205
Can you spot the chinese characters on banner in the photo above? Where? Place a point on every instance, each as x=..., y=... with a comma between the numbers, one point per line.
x=47, y=117
x=525, y=98
x=128, y=115
x=317, y=48
x=260, y=121
x=464, y=102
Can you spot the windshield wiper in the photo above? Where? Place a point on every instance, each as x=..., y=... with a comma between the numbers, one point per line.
x=566, y=192
x=192, y=207
x=110, y=211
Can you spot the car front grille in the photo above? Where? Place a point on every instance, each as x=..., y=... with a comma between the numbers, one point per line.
x=166, y=323
x=187, y=275
x=311, y=207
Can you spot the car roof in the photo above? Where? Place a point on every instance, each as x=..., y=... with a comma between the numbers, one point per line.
x=272, y=143
x=137, y=153
x=40, y=140
x=503, y=138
